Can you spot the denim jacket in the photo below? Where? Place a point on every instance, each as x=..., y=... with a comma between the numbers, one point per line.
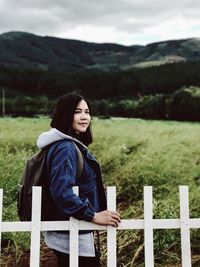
x=62, y=165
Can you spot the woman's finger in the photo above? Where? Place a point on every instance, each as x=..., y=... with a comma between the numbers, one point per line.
x=115, y=222
x=115, y=213
x=116, y=217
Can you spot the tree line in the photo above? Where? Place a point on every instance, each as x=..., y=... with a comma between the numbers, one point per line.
x=161, y=92
x=183, y=105
x=98, y=84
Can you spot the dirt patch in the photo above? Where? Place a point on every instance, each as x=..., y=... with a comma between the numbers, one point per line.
x=11, y=258
x=47, y=258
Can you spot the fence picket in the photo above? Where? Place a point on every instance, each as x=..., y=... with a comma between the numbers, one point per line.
x=1, y=212
x=185, y=226
x=73, y=238
x=111, y=231
x=36, y=227
x=148, y=227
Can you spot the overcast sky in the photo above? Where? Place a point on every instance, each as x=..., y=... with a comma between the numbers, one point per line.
x=125, y=22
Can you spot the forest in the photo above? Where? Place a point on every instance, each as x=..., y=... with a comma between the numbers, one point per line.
x=169, y=91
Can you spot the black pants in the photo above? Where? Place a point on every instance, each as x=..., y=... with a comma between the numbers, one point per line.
x=63, y=260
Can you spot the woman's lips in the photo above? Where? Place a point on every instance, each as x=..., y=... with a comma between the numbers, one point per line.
x=83, y=124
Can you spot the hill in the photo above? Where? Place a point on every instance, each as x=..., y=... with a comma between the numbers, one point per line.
x=50, y=53
x=29, y=50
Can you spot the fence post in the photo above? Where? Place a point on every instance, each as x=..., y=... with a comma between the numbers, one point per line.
x=1, y=211
x=148, y=227
x=185, y=226
x=73, y=238
x=36, y=227
x=111, y=231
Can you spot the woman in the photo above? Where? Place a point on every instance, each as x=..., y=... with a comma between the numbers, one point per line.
x=71, y=127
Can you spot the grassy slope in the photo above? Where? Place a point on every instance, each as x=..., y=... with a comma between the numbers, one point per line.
x=132, y=153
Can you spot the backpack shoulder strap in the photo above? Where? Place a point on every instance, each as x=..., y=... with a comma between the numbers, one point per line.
x=80, y=161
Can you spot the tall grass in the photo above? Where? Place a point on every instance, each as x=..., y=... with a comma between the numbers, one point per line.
x=132, y=153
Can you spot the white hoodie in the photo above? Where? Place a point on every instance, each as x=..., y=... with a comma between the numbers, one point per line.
x=53, y=135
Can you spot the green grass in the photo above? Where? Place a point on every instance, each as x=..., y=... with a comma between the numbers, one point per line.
x=132, y=153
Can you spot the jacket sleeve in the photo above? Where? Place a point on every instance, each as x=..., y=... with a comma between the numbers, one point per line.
x=64, y=164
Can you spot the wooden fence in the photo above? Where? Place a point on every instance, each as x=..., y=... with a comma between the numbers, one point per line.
x=148, y=224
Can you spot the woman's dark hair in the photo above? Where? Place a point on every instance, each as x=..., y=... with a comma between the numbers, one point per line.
x=64, y=114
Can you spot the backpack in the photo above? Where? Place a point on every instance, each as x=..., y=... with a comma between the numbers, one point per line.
x=35, y=174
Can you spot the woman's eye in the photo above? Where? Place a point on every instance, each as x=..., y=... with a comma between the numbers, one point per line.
x=79, y=112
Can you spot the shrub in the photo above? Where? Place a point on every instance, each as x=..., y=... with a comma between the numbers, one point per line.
x=151, y=107
x=185, y=104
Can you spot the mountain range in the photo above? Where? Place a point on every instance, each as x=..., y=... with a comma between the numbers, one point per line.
x=22, y=49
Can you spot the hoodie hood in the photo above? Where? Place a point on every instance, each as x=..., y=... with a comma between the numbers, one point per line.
x=53, y=135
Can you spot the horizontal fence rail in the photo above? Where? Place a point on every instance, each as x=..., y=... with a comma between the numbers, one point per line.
x=148, y=224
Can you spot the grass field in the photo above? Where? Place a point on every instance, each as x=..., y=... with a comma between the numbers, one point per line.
x=132, y=153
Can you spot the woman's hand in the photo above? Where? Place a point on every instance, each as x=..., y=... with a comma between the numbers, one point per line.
x=107, y=217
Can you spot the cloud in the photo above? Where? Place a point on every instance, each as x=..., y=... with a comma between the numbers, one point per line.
x=122, y=21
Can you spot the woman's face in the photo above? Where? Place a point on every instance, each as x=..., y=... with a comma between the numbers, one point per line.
x=81, y=118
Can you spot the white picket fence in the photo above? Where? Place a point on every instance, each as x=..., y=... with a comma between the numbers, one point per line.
x=148, y=224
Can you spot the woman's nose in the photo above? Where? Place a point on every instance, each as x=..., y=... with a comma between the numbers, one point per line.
x=83, y=115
